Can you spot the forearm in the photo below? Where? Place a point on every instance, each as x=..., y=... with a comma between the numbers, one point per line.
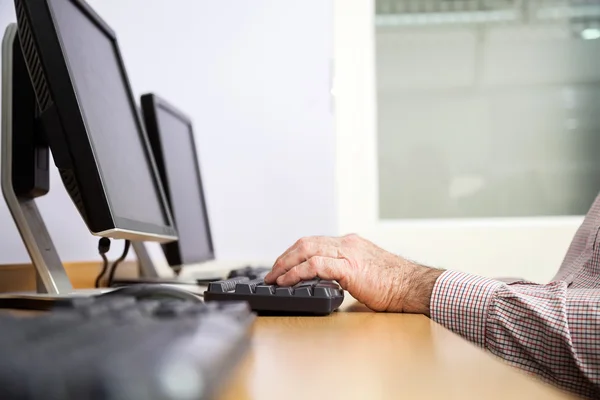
x=545, y=329
x=419, y=282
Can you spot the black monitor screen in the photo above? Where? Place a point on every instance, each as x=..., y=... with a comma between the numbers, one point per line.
x=184, y=187
x=110, y=116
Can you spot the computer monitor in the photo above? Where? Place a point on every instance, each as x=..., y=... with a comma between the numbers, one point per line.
x=91, y=122
x=172, y=141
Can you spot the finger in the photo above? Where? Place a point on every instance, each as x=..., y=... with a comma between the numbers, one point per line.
x=300, y=243
x=300, y=254
x=304, y=241
x=292, y=247
x=316, y=267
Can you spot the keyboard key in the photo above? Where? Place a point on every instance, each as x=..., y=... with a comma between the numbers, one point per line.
x=265, y=289
x=303, y=291
x=310, y=283
x=284, y=291
x=226, y=285
x=248, y=287
x=331, y=284
x=323, y=292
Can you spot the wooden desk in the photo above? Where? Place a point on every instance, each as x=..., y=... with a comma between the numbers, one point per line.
x=352, y=354
x=358, y=354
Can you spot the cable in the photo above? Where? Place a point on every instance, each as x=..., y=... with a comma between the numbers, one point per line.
x=113, y=268
x=103, y=248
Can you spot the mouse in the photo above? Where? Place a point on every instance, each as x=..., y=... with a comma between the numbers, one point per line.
x=153, y=292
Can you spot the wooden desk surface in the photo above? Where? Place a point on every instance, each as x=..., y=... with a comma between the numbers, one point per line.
x=352, y=354
x=358, y=354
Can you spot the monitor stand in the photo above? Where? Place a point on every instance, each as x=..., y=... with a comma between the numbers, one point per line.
x=145, y=264
x=150, y=273
x=19, y=109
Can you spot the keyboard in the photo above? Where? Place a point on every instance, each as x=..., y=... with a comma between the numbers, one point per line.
x=315, y=297
x=117, y=347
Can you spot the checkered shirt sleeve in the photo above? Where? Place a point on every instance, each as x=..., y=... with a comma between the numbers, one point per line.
x=550, y=330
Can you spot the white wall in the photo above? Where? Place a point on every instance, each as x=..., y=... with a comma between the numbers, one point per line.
x=255, y=78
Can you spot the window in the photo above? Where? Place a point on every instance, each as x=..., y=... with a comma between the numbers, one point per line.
x=487, y=108
x=466, y=130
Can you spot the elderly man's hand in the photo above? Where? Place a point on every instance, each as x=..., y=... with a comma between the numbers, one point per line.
x=375, y=277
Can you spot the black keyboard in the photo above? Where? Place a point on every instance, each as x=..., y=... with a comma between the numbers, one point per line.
x=116, y=348
x=316, y=297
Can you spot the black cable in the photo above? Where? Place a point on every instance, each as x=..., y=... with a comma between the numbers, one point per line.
x=103, y=248
x=113, y=269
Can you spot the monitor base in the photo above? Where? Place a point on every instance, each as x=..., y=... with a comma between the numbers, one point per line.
x=44, y=301
x=190, y=281
x=194, y=287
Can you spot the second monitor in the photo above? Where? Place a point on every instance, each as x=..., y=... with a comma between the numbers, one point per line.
x=172, y=140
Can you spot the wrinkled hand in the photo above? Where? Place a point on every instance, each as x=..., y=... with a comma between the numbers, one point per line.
x=379, y=279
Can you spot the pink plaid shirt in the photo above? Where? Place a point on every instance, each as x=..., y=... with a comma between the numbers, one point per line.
x=550, y=330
